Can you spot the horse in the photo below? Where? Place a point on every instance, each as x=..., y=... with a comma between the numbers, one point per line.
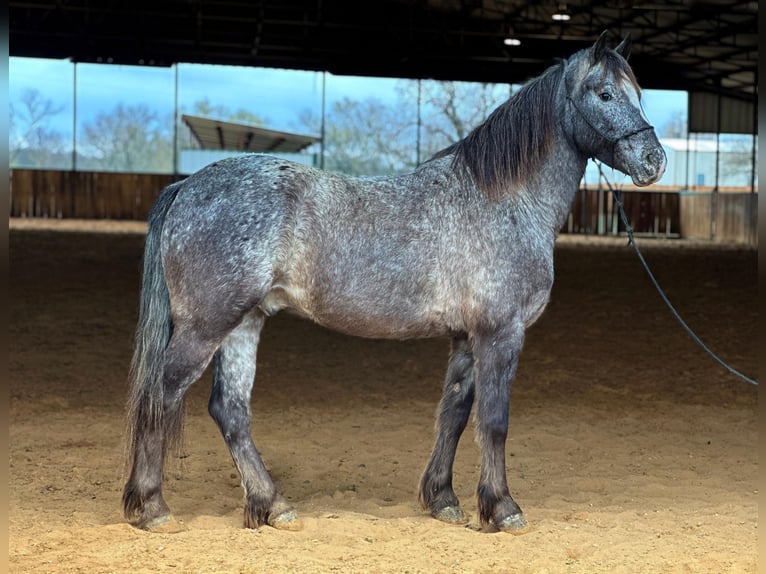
x=461, y=248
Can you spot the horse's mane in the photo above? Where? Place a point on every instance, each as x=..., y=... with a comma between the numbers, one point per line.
x=503, y=151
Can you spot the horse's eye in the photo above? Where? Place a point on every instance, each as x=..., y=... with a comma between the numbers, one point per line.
x=605, y=96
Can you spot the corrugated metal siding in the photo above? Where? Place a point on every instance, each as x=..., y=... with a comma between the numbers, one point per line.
x=736, y=116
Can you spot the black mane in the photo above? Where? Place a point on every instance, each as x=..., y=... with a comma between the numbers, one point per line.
x=510, y=144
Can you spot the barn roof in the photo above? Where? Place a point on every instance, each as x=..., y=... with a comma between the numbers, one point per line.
x=708, y=48
x=218, y=134
x=693, y=45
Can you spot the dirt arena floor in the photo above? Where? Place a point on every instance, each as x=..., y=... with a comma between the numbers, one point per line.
x=629, y=449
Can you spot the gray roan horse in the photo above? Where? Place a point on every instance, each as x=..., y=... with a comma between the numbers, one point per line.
x=462, y=247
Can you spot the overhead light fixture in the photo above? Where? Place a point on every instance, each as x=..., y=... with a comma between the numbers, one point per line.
x=561, y=14
x=511, y=39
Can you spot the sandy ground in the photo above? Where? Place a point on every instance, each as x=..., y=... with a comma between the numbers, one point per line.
x=629, y=449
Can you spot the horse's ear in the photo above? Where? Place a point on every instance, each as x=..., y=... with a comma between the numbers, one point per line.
x=623, y=48
x=597, y=51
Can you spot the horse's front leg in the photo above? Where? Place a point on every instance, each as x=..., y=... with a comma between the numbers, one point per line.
x=436, y=492
x=496, y=357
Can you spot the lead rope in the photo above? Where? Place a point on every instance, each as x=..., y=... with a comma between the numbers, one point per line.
x=617, y=194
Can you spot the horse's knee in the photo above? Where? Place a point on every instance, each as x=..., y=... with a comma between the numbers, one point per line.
x=492, y=427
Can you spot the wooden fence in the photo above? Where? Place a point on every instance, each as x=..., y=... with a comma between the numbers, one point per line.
x=594, y=212
x=84, y=194
x=724, y=216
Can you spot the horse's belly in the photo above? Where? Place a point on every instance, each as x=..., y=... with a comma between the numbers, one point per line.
x=383, y=327
x=360, y=316
x=535, y=306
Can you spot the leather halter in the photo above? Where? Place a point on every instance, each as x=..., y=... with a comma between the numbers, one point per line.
x=611, y=140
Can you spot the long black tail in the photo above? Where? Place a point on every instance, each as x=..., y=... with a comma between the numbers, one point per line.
x=153, y=333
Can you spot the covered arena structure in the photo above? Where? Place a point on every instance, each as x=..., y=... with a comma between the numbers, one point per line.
x=629, y=449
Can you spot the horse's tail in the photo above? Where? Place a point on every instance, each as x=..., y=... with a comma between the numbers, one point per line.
x=153, y=331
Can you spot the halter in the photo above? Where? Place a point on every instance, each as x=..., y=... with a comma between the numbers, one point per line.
x=611, y=140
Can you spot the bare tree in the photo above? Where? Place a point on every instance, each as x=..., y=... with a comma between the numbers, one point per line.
x=369, y=137
x=450, y=110
x=30, y=140
x=364, y=137
x=737, y=160
x=676, y=126
x=128, y=138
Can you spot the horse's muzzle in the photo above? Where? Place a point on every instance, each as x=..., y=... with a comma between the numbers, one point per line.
x=655, y=162
x=642, y=157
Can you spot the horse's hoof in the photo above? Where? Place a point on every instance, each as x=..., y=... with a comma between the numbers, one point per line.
x=288, y=520
x=514, y=524
x=451, y=515
x=165, y=524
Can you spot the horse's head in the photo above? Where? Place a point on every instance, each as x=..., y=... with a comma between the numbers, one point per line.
x=607, y=119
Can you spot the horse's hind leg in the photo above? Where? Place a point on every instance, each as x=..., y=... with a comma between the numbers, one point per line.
x=229, y=406
x=186, y=358
x=436, y=492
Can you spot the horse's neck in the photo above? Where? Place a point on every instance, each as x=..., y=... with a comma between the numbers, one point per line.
x=553, y=189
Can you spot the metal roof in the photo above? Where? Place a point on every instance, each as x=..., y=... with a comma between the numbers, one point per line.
x=217, y=134
x=693, y=45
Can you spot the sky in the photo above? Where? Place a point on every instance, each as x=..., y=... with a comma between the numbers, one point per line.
x=275, y=95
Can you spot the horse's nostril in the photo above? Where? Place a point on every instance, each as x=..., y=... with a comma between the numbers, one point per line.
x=653, y=158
